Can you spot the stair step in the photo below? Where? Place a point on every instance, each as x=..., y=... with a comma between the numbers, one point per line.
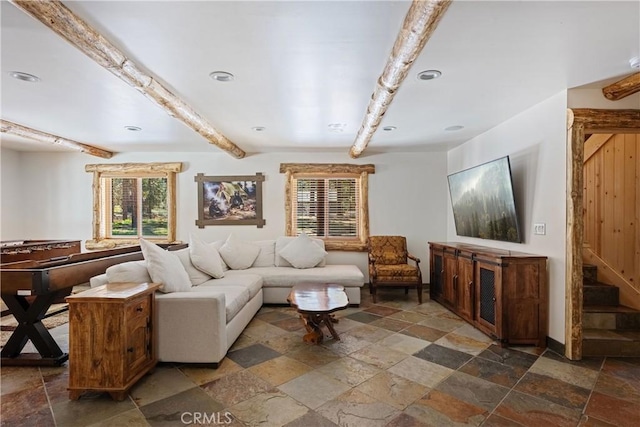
x=596, y=293
x=590, y=272
x=618, y=317
x=616, y=343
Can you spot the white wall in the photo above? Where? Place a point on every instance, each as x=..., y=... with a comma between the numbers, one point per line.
x=535, y=141
x=10, y=196
x=407, y=195
x=593, y=98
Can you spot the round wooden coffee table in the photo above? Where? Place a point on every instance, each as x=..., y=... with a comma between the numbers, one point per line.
x=315, y=303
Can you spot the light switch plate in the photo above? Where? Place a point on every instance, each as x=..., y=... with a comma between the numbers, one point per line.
x=540, y=228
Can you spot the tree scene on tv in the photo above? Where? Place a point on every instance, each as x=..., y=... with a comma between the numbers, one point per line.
x=483, y=205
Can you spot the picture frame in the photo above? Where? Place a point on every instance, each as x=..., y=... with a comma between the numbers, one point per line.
x=230, y=200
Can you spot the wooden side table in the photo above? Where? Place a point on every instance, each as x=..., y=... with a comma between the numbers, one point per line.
x=111, y=338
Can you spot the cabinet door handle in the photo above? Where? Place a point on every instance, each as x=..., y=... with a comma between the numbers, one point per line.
x=130, y=350
x=139, y=309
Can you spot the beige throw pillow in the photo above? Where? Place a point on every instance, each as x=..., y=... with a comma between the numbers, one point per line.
x=303, y=252
x=205, y=257
x=238, y=255
x=165, y=268
x=283, y=241
x=196, y=276
x=132, y=271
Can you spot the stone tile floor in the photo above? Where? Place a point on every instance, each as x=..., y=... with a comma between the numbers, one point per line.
x=398, y=364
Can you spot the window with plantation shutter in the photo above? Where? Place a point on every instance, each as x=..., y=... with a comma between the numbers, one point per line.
x=328, y=201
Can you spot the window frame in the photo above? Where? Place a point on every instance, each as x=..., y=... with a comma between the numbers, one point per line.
x=102, y=238
x=361, y=173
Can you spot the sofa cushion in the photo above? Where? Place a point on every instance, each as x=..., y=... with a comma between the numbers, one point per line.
x=196, y=276
x=238, y=254
x=302, y=252
x=165, y=267
x=283, y=241
x=236, y=297
x=237, y=278
x=205, y=258
x=132, y=271
x=267, y=255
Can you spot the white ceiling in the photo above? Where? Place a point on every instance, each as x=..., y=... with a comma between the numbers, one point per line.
x=301, y=66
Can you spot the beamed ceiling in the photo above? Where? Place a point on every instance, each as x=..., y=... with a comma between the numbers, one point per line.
x=321, y=75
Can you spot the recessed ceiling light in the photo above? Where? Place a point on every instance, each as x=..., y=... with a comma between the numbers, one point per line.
x=258, y=128
x=25, y=77
x=389, y=128
x=634, y=62
x=133, y=128
x=429, y=74
x=452, y=128
x=221, y=76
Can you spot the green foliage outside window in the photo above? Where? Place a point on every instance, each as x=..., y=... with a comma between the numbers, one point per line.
x=128, y=206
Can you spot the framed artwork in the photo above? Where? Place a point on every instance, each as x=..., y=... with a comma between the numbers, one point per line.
x=230, y=200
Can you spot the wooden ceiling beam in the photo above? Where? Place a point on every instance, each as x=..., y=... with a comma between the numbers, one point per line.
x=622, y=88
x=419, y=23
x=47, y=138
x=63, y=21
x=607, y=121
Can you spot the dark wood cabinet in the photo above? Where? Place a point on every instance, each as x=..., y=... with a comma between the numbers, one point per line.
x=464, y=286
x=457, y=281
x=502, y=293
x=436, y=257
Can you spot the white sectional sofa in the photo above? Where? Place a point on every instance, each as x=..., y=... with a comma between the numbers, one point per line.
x=198, y=322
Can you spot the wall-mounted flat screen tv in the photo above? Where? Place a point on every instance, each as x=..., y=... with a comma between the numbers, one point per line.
x=483, y=202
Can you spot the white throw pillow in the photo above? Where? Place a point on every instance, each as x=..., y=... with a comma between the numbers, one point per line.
x=283, y=241
x=267, y=255
x=217, y=245
x=205, y=257
x=237, y=254
x=132, y=271
x=165, y=268
x=303, y=252
x=196, y=276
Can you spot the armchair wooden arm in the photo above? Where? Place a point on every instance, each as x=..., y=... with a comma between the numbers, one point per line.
x=416, y=259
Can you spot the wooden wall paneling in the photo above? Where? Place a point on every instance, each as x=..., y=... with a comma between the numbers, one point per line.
x=599, y=206
x=619, y=201
x=594, y=143
x=637, y=214
x=630, y=203
x=608, y=201
x=589, y=202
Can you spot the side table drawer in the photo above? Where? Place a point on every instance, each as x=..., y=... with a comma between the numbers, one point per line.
x=138, y=309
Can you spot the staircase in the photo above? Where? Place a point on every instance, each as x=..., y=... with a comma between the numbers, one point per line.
x=609, y=329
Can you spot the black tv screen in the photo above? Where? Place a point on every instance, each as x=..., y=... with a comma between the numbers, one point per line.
x=483, y=202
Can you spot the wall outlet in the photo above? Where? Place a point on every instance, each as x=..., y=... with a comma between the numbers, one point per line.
x=540, y=228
